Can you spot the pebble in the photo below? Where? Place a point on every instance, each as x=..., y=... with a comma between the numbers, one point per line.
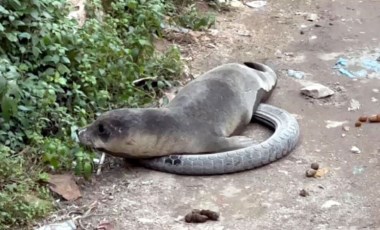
x=330, y=203
x=67, y=225
x=346, y=128
x=304, y=193
x=314, y=166
x=296, y=74
x=256, y=4
x=312, y=17
x=316, y=90
x=355, y=150
x=311, y=172
x=354, y=105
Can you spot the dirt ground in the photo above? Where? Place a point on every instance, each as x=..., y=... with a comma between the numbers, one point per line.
x=347, y=197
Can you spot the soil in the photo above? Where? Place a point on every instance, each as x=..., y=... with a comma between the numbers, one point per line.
x=346, y=193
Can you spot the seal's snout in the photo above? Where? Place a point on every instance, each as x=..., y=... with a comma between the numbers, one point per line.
x=83, y=136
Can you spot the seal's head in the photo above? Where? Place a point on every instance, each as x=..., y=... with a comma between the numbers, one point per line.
x=109, y=130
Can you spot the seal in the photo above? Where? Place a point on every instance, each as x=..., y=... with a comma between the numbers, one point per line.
x=203, y=117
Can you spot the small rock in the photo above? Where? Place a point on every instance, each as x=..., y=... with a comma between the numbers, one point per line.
x=330, y=203
x=317, y=91
x=358, y=124
x=296, y=74
x=343, y=134
x=346, y=128
x=314, y=166
x=312, y=17
x=375, y=90
x=374, y=99
x=304, y=193
x=236, y=4
x=358, y=170
x=289, y=54
x=354, y=105
x=355, y=150
x=334, y=124
x=67, y=225
x=278, y=54
x=256, y=4
x=340, y=88
x=310, y=172
x=313, y=37
x=317, y=25
x=378, y=59
x=363, y=119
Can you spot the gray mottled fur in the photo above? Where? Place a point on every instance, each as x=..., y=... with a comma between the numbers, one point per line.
x=200, y=119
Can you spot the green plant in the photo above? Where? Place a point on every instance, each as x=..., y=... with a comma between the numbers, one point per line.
x=189, y=17
x=56, y=77
x=22, y=198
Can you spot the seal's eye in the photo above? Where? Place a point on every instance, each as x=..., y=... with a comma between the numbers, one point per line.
x=101, y=129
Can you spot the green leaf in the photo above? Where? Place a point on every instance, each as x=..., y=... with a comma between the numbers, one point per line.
x=35, y=14
x=36, y=51
x=65, y=60
x=22, y=49
x=62, y=69
x=3, y=10
x=8, y=107
x=24, y=35
x=24, y=108
x=143, y=42
x=49, y=58
x=3, y=85
x=1, y=27
x=87, y=169
x=11, y=37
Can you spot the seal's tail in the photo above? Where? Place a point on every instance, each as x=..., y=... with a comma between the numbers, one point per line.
x=267, y=74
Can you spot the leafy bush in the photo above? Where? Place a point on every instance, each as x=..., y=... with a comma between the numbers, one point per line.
x=189, y=17
x=21, y=198
x=55, y=77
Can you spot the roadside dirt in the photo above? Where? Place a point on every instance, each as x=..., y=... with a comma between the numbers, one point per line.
x=347, y=197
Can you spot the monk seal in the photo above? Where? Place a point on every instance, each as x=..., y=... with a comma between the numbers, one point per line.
x=202, y=118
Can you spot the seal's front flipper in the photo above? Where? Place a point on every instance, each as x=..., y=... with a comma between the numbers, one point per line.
x=234, y=142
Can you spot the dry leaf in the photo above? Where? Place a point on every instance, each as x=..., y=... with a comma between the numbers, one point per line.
x=321, y=172
x=105, y=226
x=65, y=186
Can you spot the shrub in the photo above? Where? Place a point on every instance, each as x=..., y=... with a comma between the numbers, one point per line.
x=55, y=77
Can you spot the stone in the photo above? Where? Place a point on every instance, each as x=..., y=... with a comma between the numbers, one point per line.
x=317, y=91
x=330, y=203
x=67, y=225
x=354, y=105
x=312, y=17
x=355, y=150
x=256, y=4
